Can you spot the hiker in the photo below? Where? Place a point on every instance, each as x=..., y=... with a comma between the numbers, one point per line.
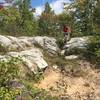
x=66, y=31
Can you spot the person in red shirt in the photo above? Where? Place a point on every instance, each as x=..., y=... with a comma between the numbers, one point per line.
x=66, y=31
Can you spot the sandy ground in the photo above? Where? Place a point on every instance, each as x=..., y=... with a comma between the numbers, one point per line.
x=77, y=88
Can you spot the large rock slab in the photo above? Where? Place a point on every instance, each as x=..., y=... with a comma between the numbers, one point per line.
x=22, y=43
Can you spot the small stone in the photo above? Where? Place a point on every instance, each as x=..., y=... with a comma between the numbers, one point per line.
x=55, y=66
x=71, y=57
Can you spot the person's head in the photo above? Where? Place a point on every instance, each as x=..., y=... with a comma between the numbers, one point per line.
x=65, y=25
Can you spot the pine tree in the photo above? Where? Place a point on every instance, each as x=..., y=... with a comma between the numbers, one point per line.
x=96, y=17
x=26, y=21
x=47, y=9
x=47, y=21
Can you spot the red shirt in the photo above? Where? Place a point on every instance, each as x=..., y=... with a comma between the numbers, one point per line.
x=65, y=29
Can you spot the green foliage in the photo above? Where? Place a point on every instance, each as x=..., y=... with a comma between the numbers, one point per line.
x=84, y=15
x=18, y=21
x=26, y=20
x=86, y=23
x=93, y=52
x=77, y=51
x=9, y=70
x=2, y=49
x=36, y=93
x=35, y=77
x=9, y=94
x=8, y=22
x=47, y=22
x=47, y=8
x=58, y=60
x=60, y=43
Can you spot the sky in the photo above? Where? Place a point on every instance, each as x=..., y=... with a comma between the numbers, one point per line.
x=56, y=5
x=36, y=3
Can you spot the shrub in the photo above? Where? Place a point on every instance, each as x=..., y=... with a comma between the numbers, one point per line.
x=9, y=70
x=2, y=49
x=60, y=43
x=9, y=94
x=93, y=51
x=37, y=94
x=77, y=51
x=35, y=77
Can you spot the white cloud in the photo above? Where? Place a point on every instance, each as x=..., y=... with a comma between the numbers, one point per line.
x=39, y=10
x=57, y=6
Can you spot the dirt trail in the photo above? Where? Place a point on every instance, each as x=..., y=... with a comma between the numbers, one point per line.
x=51, y=77
x=78, y=88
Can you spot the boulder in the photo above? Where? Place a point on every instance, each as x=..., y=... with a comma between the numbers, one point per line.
x=77, y=42
x=32, y=58
x=47, y=43
x=36, y=56
x=75, y=46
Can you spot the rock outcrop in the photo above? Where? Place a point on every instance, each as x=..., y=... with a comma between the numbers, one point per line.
x=74, y=46
x=21, y=43
x=23, y=47
x=26, y=48
x=29, y=48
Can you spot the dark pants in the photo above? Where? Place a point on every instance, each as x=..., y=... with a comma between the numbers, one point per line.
x=66, y=37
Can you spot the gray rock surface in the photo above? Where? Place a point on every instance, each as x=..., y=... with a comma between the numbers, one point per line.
x=4, y=41
x=27, y=48
x=33, y=58
x=22, y=43
x=48, y=43
x=23, y=47
x=77, y=42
